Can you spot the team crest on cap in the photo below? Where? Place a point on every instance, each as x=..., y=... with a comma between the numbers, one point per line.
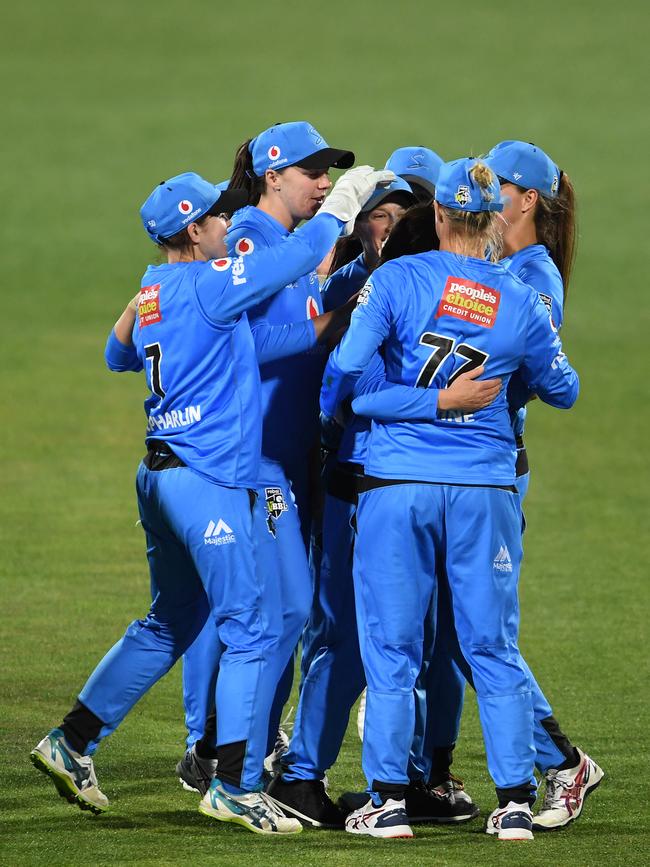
x=244, y=246
x=221, y=264
x=555, y=184
x=312, y=308
x=185, y=206
x=274, y=152
x=463, y=195
x=318, y=138
x=416, y=161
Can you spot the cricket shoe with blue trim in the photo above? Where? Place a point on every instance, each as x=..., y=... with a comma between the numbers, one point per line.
x=514, y=822
x=389, y=820
x=253, y=810
x=72, y=774
x=566, y=793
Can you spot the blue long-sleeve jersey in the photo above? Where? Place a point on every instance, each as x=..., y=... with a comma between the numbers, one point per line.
x=534, y=266
x=290, y=385
x=193, y=338
x=436, y=315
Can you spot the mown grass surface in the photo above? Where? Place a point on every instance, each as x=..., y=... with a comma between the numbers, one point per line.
x=101, y=101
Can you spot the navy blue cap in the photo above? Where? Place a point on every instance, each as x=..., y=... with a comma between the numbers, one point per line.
x=456, y=188
x=526, y=165
x=295, y=144
x=177, y=202
x=383, y=192
x=416, y=165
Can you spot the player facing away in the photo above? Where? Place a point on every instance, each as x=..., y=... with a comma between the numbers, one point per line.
x=439, y=498
x=196, y=487
x=539, y=232
x=335, y=676
x=285, y=171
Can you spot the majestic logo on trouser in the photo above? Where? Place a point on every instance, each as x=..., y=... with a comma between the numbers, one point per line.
x=218, y=534
x=276, y=505
x=502, y=561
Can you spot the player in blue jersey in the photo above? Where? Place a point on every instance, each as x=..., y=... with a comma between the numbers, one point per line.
x=439, y=497
x=196, y=490
x=285, y=170
x=539, y=235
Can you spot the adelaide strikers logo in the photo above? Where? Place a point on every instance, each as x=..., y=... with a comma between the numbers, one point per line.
x=274, y=152
x=244, y=246
x=221, y=264
x=463, y=195
x=185, y=207
x=276, y=505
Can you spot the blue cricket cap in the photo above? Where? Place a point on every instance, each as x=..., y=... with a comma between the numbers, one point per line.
x=177, y=202
x=381, y=193
x=526, y=165
x=417, y=165
x=295, y=144
x=457, y=189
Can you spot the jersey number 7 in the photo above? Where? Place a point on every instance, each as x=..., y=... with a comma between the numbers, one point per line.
x=443, y=348
x=154, y=352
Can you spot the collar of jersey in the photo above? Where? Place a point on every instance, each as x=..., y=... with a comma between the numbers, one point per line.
x=254, y=218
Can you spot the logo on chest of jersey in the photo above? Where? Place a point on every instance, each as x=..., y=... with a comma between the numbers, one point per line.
x=149, y=305
x=469, y=301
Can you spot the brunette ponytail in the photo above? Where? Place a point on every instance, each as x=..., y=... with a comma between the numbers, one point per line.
x=243, y=176
x=555, y=224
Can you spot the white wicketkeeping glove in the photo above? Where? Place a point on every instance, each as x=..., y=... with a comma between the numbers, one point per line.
x=352, y=191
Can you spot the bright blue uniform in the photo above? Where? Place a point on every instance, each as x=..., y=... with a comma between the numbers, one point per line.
x=290, y=373
x=445, y=489
x=193, y=339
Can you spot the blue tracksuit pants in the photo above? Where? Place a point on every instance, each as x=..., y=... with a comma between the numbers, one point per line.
x=201, y=551
x=403, y=531
x=283, y=572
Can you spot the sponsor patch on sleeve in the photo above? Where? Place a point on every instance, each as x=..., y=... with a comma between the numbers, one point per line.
x=149, y=305
x=548, y=301
x=364, y=295
x=469, y=301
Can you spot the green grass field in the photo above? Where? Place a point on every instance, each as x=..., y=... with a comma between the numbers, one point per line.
x=100, y=102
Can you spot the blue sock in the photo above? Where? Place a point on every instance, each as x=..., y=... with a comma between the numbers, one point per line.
x=232, y=790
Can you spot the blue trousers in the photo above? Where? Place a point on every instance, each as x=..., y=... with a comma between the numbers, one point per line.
x=335, y=677
x=404, y=531
x=441, y=685
x=201, y=551
x=283, y=573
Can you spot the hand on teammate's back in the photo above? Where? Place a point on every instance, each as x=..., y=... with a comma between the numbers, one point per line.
x=468, y=393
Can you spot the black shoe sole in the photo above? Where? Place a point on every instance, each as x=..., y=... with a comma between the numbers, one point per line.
x=444, y=820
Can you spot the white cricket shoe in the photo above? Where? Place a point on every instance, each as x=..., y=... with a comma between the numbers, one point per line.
x=72, y=774
x=388, y=821
x=566, y=793
x=514, y=822
x=254, y=810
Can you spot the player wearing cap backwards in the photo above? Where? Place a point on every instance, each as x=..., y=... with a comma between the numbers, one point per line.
x=285, y=170
x=439, y=497
x=196, y=489
x=539, y=235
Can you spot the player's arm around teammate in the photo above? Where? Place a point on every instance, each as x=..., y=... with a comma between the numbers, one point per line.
x=539, y=234
x=194, y=490
x=477, y=314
